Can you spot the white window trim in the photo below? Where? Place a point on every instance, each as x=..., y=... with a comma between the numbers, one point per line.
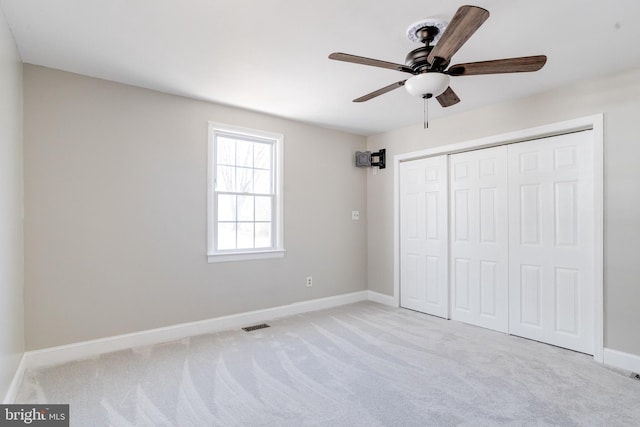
x=278, y=250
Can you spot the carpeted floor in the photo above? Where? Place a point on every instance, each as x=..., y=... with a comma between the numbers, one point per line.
x=358, y=365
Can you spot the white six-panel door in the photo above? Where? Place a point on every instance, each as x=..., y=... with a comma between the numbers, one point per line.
x=423, y=235
x=479, y=238
x=551, y=240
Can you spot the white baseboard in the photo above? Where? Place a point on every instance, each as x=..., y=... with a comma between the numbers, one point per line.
x=381, y=298
x=10, y=397
x=93, y=348
x=622, y=360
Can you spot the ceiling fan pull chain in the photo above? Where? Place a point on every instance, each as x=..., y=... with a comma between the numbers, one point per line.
x=426, y=113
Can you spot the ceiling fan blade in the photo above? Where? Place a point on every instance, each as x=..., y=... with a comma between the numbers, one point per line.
x=462, y=26
x=379, y=92
x=339, y=56
x=448, y=98
x=510, y=65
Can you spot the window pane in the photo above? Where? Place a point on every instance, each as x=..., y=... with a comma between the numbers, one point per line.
x=245, y=208
x=226, y=208
x=226, y=235
x=225, y=178
x=226, y=151
x=245, y=235
x=244, y=183
x=263, y=235
x=244, y=153
x=262, y=183
x=263, y=208
x=262, y=156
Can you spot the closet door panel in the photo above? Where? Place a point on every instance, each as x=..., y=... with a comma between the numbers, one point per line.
x=423, y=236
x=479, y=242
x=551, y=240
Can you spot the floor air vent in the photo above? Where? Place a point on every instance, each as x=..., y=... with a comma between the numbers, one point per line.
x=255, y=327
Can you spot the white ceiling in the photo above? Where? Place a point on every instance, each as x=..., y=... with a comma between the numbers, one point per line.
x=271, y=55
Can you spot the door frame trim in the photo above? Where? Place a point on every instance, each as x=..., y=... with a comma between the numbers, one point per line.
x=596, y=124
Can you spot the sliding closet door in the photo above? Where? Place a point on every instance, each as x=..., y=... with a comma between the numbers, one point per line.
x=551, y=240
x=479, y=238
x=423, y=235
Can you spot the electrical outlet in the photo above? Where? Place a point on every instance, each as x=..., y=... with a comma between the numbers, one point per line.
x=355, y=215
x=309, y=281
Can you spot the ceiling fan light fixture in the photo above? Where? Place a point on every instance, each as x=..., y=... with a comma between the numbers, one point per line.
x=433, y=84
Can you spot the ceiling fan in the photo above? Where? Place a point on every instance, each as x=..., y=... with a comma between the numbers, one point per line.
x=429, y=63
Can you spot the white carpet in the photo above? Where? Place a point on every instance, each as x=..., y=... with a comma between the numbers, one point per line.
x=358, y=365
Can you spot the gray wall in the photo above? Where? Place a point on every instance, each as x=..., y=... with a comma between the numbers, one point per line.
x=618, y=97
x=115, y=212
x=11, y=249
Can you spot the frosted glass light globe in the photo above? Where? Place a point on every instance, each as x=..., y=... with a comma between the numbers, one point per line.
x=427, y=84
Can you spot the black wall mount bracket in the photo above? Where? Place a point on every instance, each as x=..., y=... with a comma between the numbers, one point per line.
x=366, y=159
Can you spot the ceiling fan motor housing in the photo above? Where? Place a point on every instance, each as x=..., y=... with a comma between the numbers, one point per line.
x=417, y=59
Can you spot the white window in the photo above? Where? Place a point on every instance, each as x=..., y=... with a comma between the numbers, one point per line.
x=245, y=194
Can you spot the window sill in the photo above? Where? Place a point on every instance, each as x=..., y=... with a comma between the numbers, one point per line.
x=245, y=256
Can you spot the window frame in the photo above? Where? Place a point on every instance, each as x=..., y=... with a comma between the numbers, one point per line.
x=277, y=236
